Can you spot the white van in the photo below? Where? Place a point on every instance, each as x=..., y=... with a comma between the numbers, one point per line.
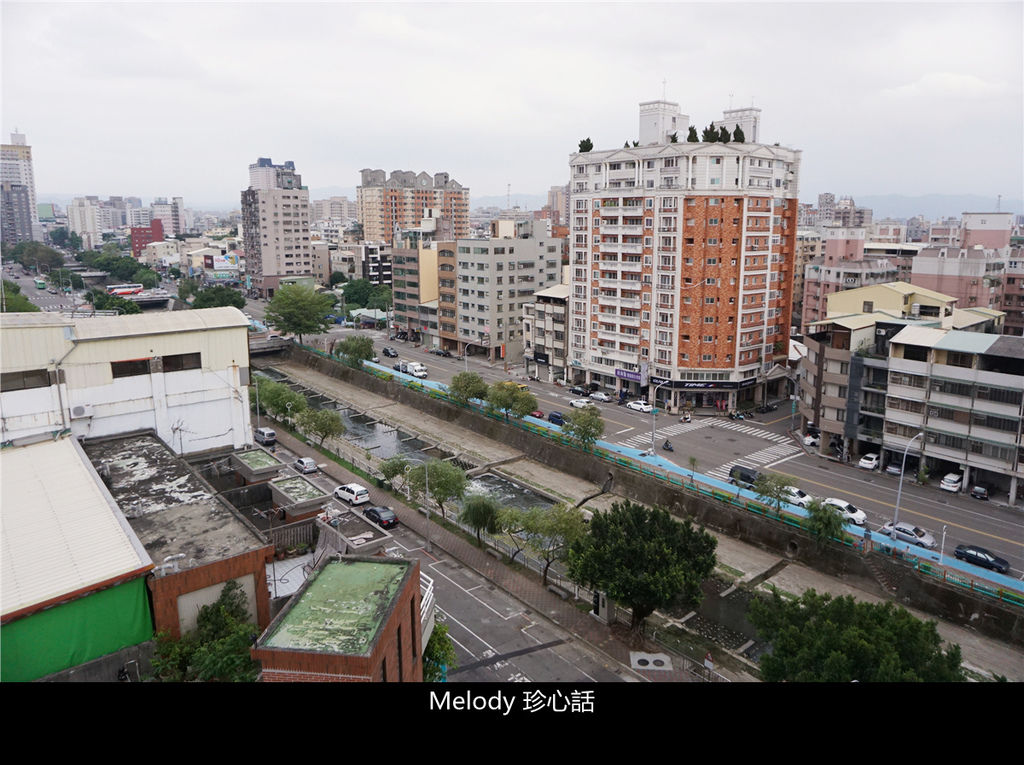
x=265, y=436
x=352, y=493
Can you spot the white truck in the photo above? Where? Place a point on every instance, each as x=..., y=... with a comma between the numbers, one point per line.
x=414, y=368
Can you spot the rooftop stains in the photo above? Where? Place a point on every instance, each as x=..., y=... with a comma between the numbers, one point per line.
x=342, y=609
x=298, y=488
x=257, y=459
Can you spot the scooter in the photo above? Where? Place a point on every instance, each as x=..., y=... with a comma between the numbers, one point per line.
x=667, y=446
x=685, y=417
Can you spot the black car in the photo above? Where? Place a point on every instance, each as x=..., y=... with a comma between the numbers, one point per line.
x=979, y=556
x=579, y=390
x=390, y=352
x=397, y=366
x=979, y=492
x=383, y=516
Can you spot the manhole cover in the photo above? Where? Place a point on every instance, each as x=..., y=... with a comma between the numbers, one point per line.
x=640, y=660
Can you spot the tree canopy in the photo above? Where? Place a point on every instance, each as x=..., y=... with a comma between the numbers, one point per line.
x=321, y=423
x=737, y=135
x=467, y=385
x=818, y=638
x=643, y=558
x=213, y=297
x=586, y=145
x=438, y=655
x=723, y=135
x=274, y=397
x=710, y=134
x=361, y=293
x=691, y=136
x=33, y=255
x=101, y=301
x=771, y=487
x=14, y=301
x=550, y=532
x=507, y=397
x=299, y=310
x=447, y=482
x=480, y=511
x=338, y=277
x=355, y=349
x=825, y=522
x=584, y=426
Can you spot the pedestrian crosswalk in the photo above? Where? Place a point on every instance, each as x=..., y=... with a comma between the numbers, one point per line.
x=769, y=455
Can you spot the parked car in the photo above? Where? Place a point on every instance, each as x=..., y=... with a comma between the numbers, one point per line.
x=850, y=513
x=579, y=403
x=601, y=396
x=383, y=516
x=952, y=482
x=375, y=359
x=305, y=465
x=979, y=492
x=796, y=496
x=640, y=406
x=537, y=413
x=893, y=468
x=741, y=475
x=868, y=462
x=390, y=352
x=352, y=493
x=812, y=440
x=979, y=556
x=592, y=387
x=908, y=532
x=578, y=390
x=556, y=418
x=265, y=436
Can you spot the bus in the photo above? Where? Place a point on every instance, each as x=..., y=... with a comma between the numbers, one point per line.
x=124, y=289
x=40, y=284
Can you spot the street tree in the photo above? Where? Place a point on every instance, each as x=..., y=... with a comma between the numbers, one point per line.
x=480, y=512
x=693, y=468
x=101, y=301
x=771, y=487
x=512, y=526
x=214, y=297
x=147, y=277
x=355, y=349
x=321, y=423
x=550, y=532
x=380, y=298
x=820, y=638
x=584, y=426
x=59, y=236
x=467, y=385
x=338, y=277
x=447, y=482
x=825, y=522
x=299, y=310
x=275, y=398
x=357, y=293
x=14, y=301
x=439, y=656
x=509, y=399
x=174, y=272
x=33, y=255
x=644, y=558
x=64, y=277
x=393, y=468
x=187, y=288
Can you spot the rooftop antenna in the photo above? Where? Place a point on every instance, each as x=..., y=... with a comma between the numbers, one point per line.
x=663, y=82
x=508, y=196
x=999, y=202
x=730, y=102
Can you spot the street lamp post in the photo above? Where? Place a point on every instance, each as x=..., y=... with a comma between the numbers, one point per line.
x=654, y=411
x=899, y=490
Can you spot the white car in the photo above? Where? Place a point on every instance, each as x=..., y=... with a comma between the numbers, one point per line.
x=352, y=493
x=952, y=482
x=850, y=513
x=640, y=406
x=601, y=396
x=579, y=403
x=868, y=462
x=810, y=440
x=795, y=496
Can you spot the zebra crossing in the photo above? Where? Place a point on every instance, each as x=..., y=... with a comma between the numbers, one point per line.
x=642, y=440
x=771, y=454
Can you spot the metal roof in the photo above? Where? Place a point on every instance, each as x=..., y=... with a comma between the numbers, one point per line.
x=966, y=342
x=61, y=531
x=164, y=322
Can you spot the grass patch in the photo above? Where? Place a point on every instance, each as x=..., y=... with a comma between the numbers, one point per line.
x=735, y=573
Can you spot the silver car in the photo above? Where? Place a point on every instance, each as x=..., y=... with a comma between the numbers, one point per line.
x=601, y=396
x=908, y=532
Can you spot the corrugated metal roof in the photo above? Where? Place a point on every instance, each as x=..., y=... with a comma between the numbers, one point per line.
x=164, y=322
x=60, y=530
x=966, y=342
x=558, y=291
x=926, y=336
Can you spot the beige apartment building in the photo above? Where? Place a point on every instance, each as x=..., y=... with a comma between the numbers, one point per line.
x=387, y=203
x=682, y=261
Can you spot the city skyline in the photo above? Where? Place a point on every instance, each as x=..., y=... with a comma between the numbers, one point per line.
x=168, y=99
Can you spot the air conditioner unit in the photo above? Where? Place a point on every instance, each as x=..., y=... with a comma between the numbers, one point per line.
x=78, y=412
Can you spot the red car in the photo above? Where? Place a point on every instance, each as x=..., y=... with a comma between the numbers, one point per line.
x=537, y=413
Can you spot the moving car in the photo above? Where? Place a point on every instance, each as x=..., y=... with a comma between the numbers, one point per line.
x=556, y=418
x=640, y=406
x=908, y=532
x=952, y=482
x=305, y=465
x=579, y=403
x=578, y=390
x=979, y=556
x=390, y=352
x=796, y=496
x=353, y=493
x=537, y=413
x=383, y=516
x=850, y=513
x=868, y=462
x=741, y=475
x=601, y=396
x=812, y=440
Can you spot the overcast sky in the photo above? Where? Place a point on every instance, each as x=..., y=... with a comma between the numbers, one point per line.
x=176, y=99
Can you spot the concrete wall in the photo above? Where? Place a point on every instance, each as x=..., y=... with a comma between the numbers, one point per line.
x=931, y=595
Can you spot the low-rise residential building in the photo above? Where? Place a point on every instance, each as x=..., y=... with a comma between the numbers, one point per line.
x=545, y=333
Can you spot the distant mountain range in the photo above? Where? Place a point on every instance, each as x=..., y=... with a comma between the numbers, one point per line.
x=931, y=206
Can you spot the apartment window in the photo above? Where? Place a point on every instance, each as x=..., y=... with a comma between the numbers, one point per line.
x=709, y=319
x=709, y=338
x=705, y=357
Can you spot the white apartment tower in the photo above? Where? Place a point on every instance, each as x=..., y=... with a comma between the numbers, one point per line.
x=16, y=169
x=682, y=261
x=275, y=226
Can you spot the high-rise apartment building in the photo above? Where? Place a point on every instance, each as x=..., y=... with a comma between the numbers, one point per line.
x=143, y=235
x=15, y=216
x=386, y=203
x=171, y=214
x=682, y=261
x=88, y=219
x=275, y=222
x=16, y=169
